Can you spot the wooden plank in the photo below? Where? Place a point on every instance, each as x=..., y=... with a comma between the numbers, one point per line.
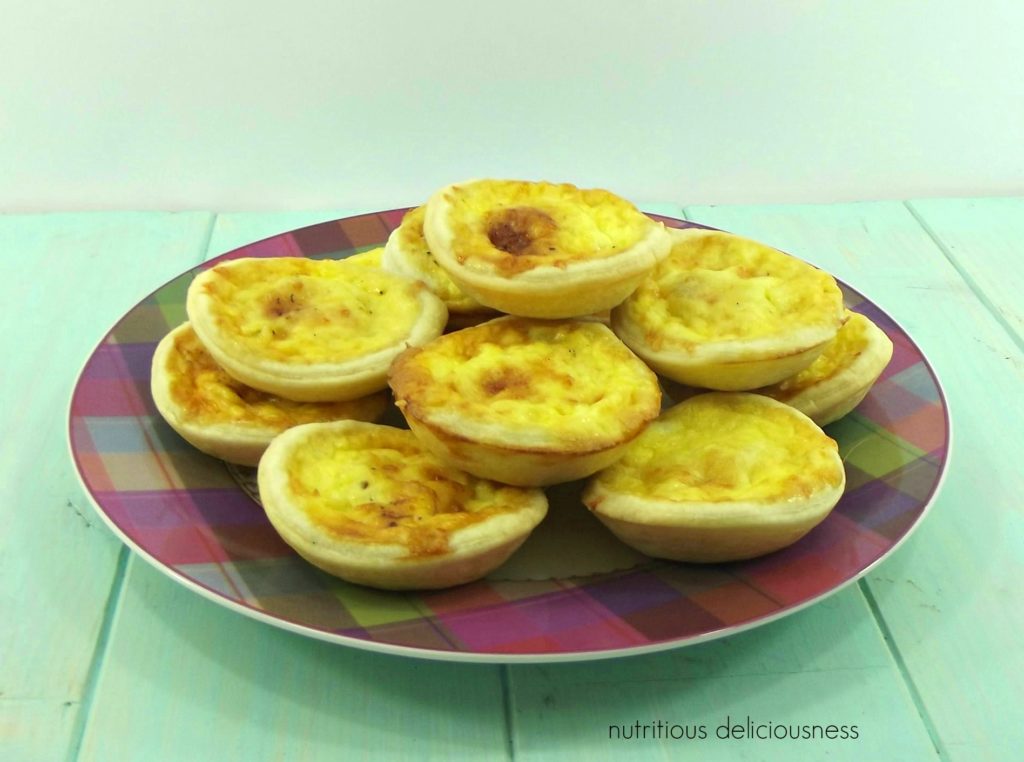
x=183, y=673
x=68, y=276
x=186, y=675
x=947, y=599
x=823, y=666
x=982, y=238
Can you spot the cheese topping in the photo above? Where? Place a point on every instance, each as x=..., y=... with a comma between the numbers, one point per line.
x=725, y=448
x=305, y=311
x=839, y=354
x=368, y=258
x=573, y=380
x=376, y=484
x=720, y=287
x=514, y=226
x=206, y=395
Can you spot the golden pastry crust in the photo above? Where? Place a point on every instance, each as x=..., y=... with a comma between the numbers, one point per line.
x=225, y=418
x=723, y=312
x=310, y=330
x=720, y=477
x=541, y=249
x=408, y=254
x=524, y=401
x=368, y=504
x=841, y=376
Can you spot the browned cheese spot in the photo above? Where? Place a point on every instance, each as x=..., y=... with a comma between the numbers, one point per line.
x=517, y=229
x=512, y=382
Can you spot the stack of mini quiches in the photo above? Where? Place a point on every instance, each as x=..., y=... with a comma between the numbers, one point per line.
x=529, y=387
x=227, y=386
x=743, y=469
x=726, y=313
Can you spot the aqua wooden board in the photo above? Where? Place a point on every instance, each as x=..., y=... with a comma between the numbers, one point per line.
x=67, y=278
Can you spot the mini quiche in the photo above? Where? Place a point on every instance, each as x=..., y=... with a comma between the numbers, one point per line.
x=526, y=402
x=225, y=418
x=310, y=330
x=539, y=249
x=727, y=313
x=407, y=253
x=720, y=477
x=366, y=503
x=841, y=376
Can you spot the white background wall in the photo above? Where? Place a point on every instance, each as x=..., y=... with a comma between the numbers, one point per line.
x=189, y=104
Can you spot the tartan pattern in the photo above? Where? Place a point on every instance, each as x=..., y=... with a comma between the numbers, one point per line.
x=187, y=513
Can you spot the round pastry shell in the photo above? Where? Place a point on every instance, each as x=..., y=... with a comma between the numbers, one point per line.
x=505, y=455
x=830, y=399
x=733, y=364
x=321, y=382
x=231, y=441
x=473, y=551
x=579, y=288
x=712, y=532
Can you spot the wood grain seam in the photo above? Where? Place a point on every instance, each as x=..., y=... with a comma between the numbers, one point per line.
x=92, y=675
x=508, y=705
x=114, y=599
x=683, y=213
x=972, y=284
x=904, y=671
x=204, y=247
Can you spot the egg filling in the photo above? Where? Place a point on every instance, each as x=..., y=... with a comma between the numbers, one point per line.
x=850, y=342
x=514, y=226
x=571, y=381
x=726, y=448
x=206, y=395
x=719, y=287
x=297, y=310
x=378, y=486
x=369, y=258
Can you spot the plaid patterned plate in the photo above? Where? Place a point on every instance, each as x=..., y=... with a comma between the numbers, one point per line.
x=572, y=591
